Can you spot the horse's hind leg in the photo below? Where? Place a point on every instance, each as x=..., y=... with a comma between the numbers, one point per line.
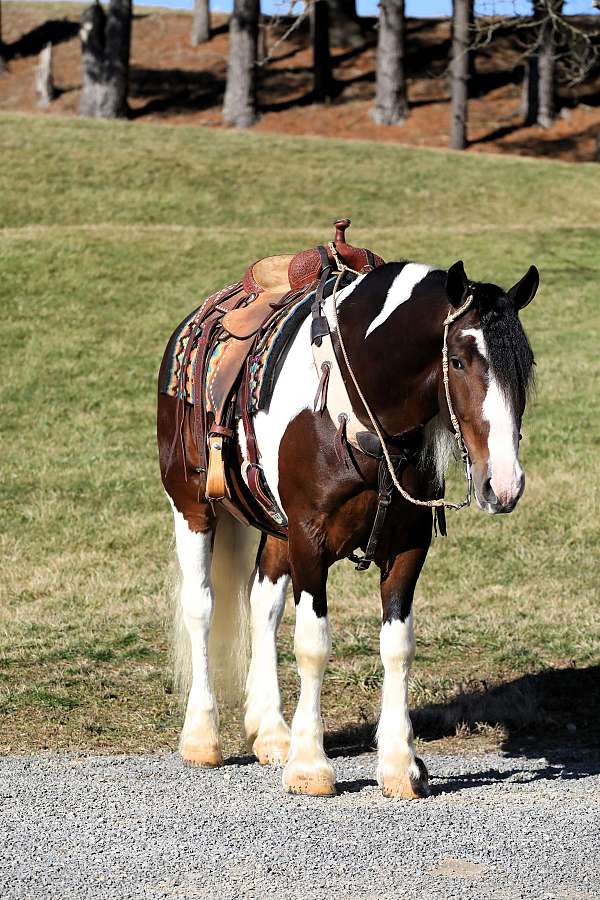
x=199, y=743
x=267, y=733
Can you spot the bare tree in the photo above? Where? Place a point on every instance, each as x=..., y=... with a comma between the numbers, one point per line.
x=539, y=81
x=391, y=106
x=239, y=107
x=459, y=74
x=319, y=30
x=201, y=22
x=556, y=45
x=105, y=46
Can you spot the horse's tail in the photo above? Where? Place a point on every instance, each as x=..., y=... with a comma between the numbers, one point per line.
x=233, y=561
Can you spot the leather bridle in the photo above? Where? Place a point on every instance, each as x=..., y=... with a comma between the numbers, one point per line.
x=452, y=316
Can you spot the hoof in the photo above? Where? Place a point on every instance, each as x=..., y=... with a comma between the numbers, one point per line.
x=272, y=750
x=315, y=781
x=196, y=753
x=406, y=786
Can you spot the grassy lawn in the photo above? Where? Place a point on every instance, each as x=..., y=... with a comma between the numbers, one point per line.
x=109, y=235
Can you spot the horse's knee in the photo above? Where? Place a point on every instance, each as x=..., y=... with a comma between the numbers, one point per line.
x=312, y=637
x=397, y=644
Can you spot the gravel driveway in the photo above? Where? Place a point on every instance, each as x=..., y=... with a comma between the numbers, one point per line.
x=146, y=827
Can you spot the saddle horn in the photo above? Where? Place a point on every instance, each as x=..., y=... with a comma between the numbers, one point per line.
x=340, y=230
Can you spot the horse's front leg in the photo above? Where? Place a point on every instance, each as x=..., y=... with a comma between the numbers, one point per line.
x=399, y=772
x=308, y=771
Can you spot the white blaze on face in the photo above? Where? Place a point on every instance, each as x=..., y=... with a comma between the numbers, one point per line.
x=505, y=471
x=503, y=444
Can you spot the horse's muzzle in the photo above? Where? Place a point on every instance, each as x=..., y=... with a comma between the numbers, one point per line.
x=489, y=502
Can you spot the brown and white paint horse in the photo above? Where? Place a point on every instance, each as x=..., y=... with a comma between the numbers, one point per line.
x=392, y=323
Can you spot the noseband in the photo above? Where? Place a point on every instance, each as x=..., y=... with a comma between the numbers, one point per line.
x=452, y=316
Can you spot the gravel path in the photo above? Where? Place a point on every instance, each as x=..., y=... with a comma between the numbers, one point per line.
x=146, y=827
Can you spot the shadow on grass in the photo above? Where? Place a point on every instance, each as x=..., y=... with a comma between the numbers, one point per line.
x=548, y=146
x=554, y=714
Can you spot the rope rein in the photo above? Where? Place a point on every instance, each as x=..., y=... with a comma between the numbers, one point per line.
x=450, y=318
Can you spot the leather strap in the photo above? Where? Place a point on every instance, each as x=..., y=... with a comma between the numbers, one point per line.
x=338, y=402
x=222, y=430
x=384, y=498
x=253, y=469
x=200, y=422
x=319, y=325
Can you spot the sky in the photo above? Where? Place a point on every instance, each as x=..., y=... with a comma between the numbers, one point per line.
x=413, y=7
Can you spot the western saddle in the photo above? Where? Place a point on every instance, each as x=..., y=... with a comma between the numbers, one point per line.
x=226, y=333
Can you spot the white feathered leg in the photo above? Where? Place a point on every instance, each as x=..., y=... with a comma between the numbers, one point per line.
x=308, y=770
x=199, y=743
x=266, y=730
x=399, y=772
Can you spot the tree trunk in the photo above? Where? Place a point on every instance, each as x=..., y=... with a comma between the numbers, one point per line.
x=459, y=74
x=530, y=91
x=547, y=62
x=472, y=86
x=539, y=89
x=344, y=24
x=239, y=107
x=105, y=45
x=319, y=30
x=391, y=107
x=2, y=47
x=44, y=81
x=201, y=22
x=262, y=46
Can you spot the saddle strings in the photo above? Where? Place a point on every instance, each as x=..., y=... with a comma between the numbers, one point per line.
x=450, y=318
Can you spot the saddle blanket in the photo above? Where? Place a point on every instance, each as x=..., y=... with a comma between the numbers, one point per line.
x=177, y=347
x=265, y=358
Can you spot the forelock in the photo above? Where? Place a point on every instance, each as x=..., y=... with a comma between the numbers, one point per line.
x=509, y=353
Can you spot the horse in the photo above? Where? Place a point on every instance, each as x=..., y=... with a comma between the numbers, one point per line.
x=434, y=364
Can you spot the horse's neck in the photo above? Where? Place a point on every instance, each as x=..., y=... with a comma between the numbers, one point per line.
x=404, y=392
x=398, y=365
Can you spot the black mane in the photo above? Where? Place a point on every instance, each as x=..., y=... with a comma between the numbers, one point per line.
x=510, y=355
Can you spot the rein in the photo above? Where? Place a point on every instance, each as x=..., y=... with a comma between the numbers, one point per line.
x=452, y=316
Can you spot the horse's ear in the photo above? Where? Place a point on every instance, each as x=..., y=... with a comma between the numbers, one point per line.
x=523, y=292
x=456, y=284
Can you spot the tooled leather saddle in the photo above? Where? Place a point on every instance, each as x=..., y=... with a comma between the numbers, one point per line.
x=225, y=336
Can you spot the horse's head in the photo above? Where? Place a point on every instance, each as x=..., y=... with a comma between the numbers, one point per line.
x=489, y=371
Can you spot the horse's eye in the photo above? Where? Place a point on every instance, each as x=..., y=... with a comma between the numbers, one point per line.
x=457, y=363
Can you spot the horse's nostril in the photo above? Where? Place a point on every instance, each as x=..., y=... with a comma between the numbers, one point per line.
x=488, y=491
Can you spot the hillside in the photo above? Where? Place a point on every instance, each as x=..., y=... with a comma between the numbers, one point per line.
x=174, y=83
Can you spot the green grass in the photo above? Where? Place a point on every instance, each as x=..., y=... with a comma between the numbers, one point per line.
x=110, y=234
